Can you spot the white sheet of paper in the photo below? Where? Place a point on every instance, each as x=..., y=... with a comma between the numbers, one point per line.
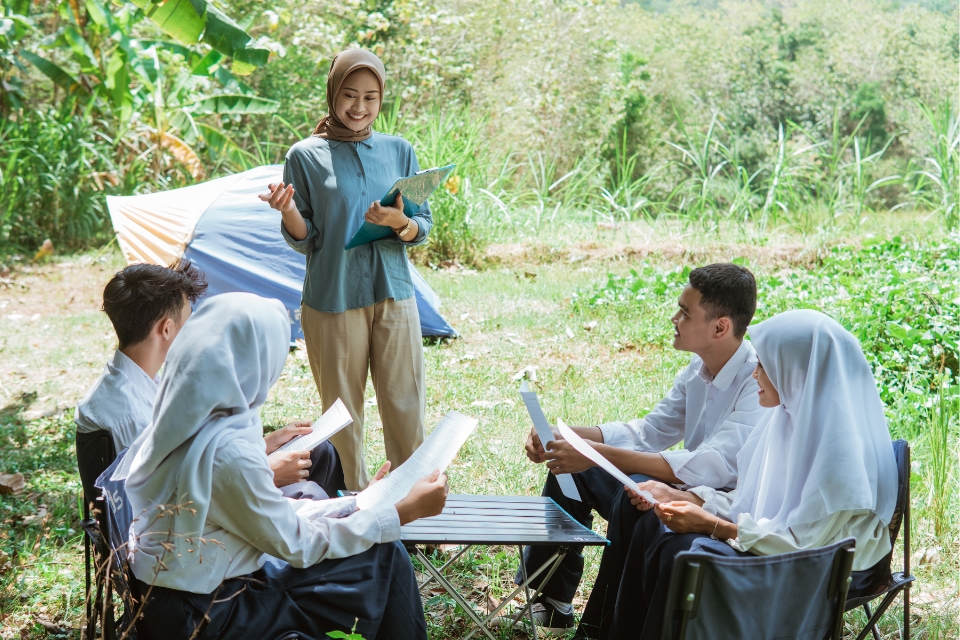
x=545, y=433
x=436, y=452
x=578, y=443
x=332, y=420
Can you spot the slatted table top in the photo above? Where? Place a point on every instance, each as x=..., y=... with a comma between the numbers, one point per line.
x=506, y=520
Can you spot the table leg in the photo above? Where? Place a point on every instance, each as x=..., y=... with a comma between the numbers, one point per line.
x=526, y=588
x=467, y=607
x=445, y=565
x=555, y=559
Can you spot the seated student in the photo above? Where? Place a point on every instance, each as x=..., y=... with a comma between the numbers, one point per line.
x=817, y=469
x=148, y=305
x=207, y=514
x=711, y=408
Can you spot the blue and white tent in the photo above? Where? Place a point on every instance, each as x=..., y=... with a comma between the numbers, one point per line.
x=234, y=238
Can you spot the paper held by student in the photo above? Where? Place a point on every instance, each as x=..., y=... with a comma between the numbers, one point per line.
x=545, y=433
x=436, y=452
x=597, y=458
x=333, y=420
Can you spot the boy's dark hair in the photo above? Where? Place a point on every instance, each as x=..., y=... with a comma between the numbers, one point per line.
x=727, y=290
x=140, y=295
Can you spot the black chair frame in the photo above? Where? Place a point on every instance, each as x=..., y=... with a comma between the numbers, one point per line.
x=899, y=581
x=687, y=580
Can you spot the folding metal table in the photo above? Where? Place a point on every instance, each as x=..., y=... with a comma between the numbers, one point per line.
x=470, y=521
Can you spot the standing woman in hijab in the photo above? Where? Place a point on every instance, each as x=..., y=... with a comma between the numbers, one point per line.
x=358, y=309
x=817, y=469
x=216, y=549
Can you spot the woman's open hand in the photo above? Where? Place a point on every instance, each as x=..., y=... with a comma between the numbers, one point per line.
x=685, y=517
x=385, y=216
x=280, y=198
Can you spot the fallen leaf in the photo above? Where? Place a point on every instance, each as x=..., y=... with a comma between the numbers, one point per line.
x=40, y=514
x=530, y=275
x=569, y=332
x=590, y=326
x=11, y=483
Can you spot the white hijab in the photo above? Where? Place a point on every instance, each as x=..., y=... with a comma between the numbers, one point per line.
x=826, y=448
x=216, y=376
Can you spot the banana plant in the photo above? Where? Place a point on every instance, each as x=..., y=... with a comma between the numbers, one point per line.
x=122, y=76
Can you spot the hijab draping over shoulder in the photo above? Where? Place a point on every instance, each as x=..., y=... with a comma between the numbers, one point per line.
x=216, y=376
x=826, y=448
x=343, y=65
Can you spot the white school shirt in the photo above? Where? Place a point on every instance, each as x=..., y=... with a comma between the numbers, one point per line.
x=249, y=517
x=712, y=416
x=121, y=401
x=873, y=537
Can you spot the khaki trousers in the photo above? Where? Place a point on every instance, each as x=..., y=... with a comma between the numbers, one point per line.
x=386, y=338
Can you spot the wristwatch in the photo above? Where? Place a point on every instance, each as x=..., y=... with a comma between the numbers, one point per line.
x=404, y=230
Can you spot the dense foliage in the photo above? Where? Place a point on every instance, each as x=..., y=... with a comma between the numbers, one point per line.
x=811, y=113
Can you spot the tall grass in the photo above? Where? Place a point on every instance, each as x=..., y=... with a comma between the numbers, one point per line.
x=55, y=169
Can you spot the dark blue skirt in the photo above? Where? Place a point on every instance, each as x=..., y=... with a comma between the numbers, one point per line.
x=375, y=590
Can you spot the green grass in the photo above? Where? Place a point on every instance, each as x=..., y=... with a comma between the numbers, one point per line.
x=522, y=308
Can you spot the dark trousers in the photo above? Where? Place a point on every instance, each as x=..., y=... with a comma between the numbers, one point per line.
x=630, y=595
x=325, y=479
x=599, y=492
x=376, y=590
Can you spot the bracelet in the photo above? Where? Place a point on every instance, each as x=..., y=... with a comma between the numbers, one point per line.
x=402, y=231
x=713, y=536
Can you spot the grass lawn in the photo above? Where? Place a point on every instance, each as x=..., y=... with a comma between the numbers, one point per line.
x=533, y=303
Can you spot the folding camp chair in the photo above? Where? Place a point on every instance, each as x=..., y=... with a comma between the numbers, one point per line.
x=793, y=596
x=888, y=584
x=95, y=452
x=112, y=570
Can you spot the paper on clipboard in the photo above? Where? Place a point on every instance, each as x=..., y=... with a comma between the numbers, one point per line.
x=436, y=452
x=333, y=420
x=545, y=433
x=415, y=190
x=595, y=456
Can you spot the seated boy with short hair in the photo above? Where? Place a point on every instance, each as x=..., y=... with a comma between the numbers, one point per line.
x=711, y=408
x=148, y=305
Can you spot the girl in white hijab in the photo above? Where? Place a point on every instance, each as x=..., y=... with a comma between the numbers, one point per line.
x=818, y=468
x=208, y=515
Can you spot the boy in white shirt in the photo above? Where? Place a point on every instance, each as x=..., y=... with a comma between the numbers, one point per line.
x=711, y=408
x=148, y=305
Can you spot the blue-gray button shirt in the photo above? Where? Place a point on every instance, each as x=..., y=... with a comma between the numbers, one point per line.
x=334, y=183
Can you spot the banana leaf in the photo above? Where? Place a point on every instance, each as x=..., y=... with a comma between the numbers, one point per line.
x=58, y=75
x=232, y=103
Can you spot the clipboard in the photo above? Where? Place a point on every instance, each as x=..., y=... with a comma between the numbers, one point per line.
x=415, y=189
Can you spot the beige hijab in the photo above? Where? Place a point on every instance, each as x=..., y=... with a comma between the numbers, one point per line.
x=342, y=66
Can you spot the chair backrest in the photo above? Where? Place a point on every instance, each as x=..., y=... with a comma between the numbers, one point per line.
x=95, y=452
x=117, y=505
x=901, y=452
x=119, y=517
x=793, y=596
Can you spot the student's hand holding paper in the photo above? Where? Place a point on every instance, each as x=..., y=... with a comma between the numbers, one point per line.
x=534, y=448
x=659, y=490
x=425, y=499
x=289, y=467
x=385, y=216
x=563, y=458
x=284, y=435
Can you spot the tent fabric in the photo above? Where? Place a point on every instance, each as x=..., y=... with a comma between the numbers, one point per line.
x=234, y=238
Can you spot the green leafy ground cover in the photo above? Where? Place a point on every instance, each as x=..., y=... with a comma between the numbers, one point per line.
x=592, y=315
